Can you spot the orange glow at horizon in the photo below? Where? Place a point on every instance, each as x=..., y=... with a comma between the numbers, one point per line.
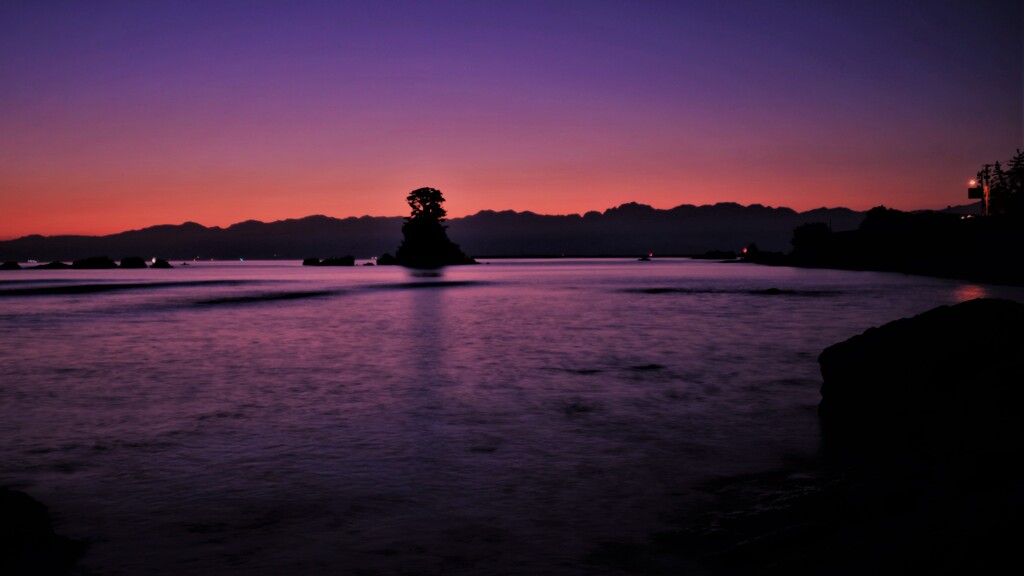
x=128, y=116
x=96, y=204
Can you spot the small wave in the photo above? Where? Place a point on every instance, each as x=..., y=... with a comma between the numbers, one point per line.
x=750, y=292
x=266, y=297
x=75, y=289
x=647, y=368
x=221, y=415
x=428, y=284
x=577, y=406
x=40, y=281
x=582, y=371
x=782, y=292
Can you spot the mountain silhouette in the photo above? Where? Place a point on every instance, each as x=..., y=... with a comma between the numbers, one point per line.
x=626, y=230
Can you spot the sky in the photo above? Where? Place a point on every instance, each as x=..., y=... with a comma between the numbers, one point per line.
x=117, y=115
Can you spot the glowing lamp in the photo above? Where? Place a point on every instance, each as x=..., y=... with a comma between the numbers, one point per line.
x=972, y=182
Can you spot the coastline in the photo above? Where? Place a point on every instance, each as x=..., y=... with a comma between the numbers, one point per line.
x=985, y=274
x=915, y=473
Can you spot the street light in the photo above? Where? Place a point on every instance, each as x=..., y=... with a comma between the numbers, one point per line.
x=976, y=192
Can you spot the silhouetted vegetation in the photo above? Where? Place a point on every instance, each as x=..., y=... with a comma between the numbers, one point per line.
x=386, y=259
x=812, y=242
x=94, y=263
x=426, y=243
x=931, y=243
x=754, y=254
x=132, y=262
x=1006, y=187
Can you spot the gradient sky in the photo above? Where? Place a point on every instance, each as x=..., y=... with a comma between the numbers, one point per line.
x=124, y=114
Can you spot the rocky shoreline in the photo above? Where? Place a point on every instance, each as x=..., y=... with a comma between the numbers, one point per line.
x=91, y=263
x=28, y=544
x=921, y=434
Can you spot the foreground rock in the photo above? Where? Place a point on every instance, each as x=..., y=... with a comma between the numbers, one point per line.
x=918, y=472
x=28, y=544
x=10, y=265
x=948, y=381
x=133, y=262
x=923, y=416
x=94, y=263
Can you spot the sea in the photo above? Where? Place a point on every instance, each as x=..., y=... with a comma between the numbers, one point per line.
x=515, y=417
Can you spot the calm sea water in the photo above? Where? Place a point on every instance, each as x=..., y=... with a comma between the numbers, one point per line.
x=508, y=418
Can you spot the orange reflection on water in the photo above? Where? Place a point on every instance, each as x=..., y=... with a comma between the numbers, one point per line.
x=966, y=292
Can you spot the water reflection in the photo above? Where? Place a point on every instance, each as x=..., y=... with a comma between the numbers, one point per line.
x=511, y=416
x=965, y=292
x=415, y=273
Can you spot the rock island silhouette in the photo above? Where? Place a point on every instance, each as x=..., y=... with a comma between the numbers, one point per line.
x=425, y=241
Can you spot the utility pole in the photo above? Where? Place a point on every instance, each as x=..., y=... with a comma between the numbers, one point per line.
x=978, y=189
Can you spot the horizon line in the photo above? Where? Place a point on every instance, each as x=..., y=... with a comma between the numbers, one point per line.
x=486, y=210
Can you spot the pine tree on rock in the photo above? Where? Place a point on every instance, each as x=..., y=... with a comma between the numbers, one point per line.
x=426, y=243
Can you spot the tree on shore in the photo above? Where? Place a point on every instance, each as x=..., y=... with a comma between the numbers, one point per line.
x=1006, y=186
x=425, y=241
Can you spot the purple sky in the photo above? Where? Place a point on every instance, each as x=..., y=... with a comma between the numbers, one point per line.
x=118, y=115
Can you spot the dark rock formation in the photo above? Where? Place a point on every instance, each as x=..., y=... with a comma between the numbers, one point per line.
x=426, y=243
x=10, y=265
x=334, y=261
x=923, y=417
x=132, y=262
x=28, y=544
x=948, y=379
x=94, y=263
x=161, y=263
x=918, y=474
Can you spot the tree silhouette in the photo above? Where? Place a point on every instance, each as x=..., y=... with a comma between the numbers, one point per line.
x=1005, y=187
x=426, y=243
x=811, y=242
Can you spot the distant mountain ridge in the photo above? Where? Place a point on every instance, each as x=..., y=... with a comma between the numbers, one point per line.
x=626, y=230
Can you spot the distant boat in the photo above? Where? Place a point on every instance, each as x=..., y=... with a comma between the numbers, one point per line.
x=646, y=258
